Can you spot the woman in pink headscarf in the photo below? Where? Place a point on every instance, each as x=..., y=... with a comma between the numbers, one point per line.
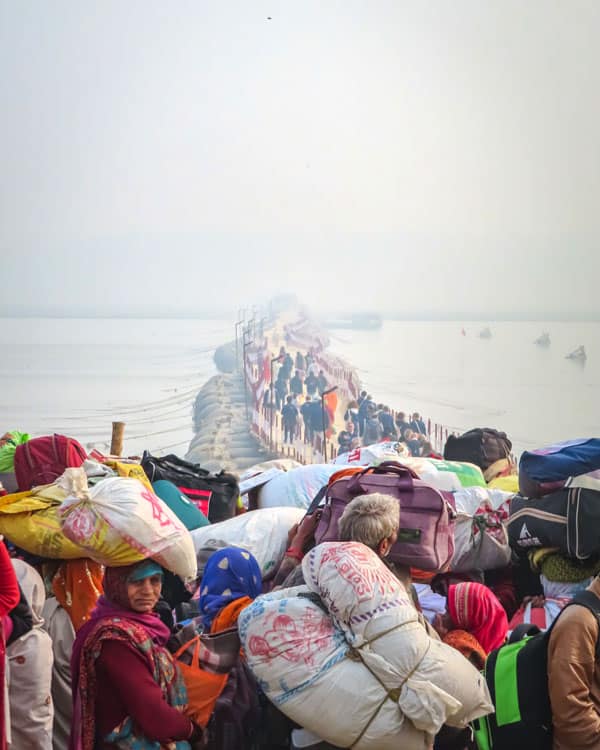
x=473, y=608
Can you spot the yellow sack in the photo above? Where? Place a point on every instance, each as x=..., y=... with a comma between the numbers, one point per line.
x=134, y=471
x=30, y=520
x=509, y=483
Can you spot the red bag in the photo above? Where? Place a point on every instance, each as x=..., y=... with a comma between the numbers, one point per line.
x=426, y=535
x=42, y=460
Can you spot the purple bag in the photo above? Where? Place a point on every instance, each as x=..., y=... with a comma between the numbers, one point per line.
x=426, y=535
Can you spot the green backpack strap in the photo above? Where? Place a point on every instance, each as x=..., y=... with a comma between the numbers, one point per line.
x=481, y=732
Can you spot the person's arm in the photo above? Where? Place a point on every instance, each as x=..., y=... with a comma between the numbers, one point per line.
x=9, y=588
x=571, y=671
x=130, y=679
x=302, y=539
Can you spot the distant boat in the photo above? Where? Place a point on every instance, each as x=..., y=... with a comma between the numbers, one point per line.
x=578, y=354
x=485, y=333
x=543, y=340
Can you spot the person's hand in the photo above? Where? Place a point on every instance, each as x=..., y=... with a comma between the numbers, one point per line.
x=441, y=624
x=305, y=531
x=291, y=534
x=537, y=602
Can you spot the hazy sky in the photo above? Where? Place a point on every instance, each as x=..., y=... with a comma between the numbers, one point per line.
x=416, y=156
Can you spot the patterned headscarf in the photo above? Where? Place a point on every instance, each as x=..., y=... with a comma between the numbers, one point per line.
x=230, y=573
x=474, y=608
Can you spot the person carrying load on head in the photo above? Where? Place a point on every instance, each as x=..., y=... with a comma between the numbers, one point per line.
x=127, y=690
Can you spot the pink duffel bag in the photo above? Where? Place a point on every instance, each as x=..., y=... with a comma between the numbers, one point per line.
x=426, y=535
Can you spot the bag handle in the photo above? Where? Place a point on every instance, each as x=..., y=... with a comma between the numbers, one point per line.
x=405, y=475
x=394, y=467
x=195, y=655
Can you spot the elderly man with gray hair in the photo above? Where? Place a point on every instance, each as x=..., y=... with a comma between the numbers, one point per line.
x=372, y=520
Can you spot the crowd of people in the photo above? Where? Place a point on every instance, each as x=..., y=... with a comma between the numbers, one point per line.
x=368, y=422
x=298, y=397
x=97, y=658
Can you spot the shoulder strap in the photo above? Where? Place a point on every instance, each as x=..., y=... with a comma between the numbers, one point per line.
x=523, y=630
x=317, y=500
x=590, y=601
x=587, y=599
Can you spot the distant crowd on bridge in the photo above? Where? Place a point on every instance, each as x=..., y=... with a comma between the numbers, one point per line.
x=297, y=392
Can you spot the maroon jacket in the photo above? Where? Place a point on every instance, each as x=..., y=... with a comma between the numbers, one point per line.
x=126, y=687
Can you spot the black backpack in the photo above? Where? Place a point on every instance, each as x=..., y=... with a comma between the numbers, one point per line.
x=482, y=446
x=517, y=678
x=238, y=714
x=215, y=494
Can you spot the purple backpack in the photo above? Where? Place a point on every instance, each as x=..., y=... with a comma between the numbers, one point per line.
x=426, y=535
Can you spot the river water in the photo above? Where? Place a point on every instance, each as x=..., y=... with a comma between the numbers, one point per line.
x=76, y=376
x=507, y=382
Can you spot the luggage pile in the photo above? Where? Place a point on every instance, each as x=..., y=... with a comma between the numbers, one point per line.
x=360, y=646
x=554, y=519
x=72, y=506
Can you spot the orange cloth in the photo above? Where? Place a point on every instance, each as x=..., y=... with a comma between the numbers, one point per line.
x=205, y=687
x=468, y=646
x=228, y=616
x=330, y=401
x=77, y=584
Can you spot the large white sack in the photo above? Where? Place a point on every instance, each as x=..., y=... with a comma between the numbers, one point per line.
x=262, y=532
x=480, y=534
x=370, y=605
x=282, y=464
x=296, y=488
x=119, y=522
x=301, y=660
x=372, y=656
x=371, y=455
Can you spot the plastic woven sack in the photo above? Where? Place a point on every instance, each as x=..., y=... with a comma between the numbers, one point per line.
x=120, y=521
x=30, y=520
x=296, y=488
x=262, y=532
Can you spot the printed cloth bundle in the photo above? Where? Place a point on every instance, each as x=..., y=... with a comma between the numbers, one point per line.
x=352, y=638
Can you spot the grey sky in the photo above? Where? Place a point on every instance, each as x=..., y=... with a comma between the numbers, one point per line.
x=409, y=156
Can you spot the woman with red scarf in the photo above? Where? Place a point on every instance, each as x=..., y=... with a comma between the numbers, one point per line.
x=127, y=690
x=9, y=598
x=473, y=608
